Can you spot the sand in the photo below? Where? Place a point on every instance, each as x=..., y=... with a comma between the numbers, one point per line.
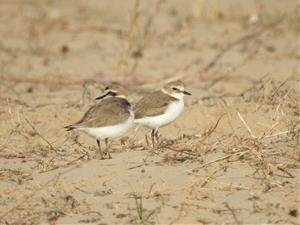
x=232, y=157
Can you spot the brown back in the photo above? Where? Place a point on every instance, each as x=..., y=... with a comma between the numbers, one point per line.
x=152, y=104
x=108, y=112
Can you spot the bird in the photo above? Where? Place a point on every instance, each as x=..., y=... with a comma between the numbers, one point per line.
x=160, y=107
x=109, y=118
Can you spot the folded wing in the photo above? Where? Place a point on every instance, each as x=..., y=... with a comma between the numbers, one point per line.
x=150, y=106
x=108, y=112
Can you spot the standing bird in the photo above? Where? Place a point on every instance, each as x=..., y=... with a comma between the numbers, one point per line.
x=161, y=107
x=111, y=117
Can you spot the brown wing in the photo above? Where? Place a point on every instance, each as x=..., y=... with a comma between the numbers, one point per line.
x=152, y=104
x=108, y=112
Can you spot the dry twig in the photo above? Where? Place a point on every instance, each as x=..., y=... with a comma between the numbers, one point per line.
x=39, y=134
x=246, y=125
x=239, y=154
x=232, y=213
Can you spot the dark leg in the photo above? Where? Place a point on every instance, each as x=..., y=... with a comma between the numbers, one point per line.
x=107, y=148
x=153, y=137
x=99, y=152
x=156, y=136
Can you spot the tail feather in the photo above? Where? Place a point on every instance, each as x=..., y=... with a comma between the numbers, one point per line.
x=70, y=127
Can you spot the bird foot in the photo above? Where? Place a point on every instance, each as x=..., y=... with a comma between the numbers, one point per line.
x=108, y=154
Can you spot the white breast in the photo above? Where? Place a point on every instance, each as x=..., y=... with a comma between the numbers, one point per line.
x=172, y=112
x=113, y=131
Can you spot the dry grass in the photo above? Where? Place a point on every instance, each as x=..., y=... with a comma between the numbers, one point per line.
x=284, y=104
x=271, y=153
x=37, y=156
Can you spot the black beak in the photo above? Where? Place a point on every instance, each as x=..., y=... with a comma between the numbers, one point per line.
x=102, y=96
x=186, y=93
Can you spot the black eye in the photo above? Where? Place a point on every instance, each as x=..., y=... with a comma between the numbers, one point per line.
x=175, y=89
x=106, y=88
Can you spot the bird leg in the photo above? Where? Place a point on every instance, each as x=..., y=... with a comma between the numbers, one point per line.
x=99, y=152
x=153, y=137
x=156, y=136
x=107, y=148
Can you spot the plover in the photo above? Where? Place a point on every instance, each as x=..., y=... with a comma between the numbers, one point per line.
x=110, y=118
x=160, y=107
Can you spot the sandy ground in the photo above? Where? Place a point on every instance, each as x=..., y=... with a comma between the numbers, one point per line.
x=232, y=157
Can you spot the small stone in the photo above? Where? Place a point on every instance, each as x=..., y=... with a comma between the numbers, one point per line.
x=293, y=212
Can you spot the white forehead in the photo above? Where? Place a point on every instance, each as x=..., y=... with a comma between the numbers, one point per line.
x=177, y=84
x=180, y=87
